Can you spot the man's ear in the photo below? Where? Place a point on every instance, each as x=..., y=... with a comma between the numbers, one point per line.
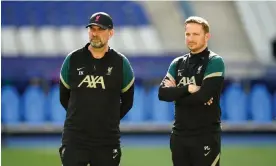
x=111, y=33
x=207, y=36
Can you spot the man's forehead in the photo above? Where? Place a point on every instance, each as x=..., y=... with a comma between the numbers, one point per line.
x=194, y=27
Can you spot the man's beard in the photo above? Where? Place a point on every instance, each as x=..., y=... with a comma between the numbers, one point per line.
x=97, y=44
x=197, y=48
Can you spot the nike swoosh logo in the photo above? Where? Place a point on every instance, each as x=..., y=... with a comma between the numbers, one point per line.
x=115, y=156
x=80, y=68
x=205, y=154
x=180, y=70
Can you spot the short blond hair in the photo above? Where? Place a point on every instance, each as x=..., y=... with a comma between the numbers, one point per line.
x=199, y=20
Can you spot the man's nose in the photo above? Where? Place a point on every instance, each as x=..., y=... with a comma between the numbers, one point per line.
x=190, y=39
x=94, y=33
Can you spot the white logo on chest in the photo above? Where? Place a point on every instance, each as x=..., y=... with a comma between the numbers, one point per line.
x=80, y=72
x=199, y=69
x=109, y=70
x=186, y=80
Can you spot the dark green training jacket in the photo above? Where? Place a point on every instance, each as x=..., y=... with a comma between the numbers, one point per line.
x=96, y=94
x=192, y=116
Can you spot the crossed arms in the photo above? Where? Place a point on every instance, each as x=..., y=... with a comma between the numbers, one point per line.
x=192, y=94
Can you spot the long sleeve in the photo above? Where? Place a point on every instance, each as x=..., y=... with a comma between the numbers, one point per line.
x=127, y=92
x=126, y=101
x=171, y=93
x=64, y=95
x=64, y=86
x=211, y=85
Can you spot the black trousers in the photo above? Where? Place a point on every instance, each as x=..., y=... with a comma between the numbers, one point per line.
x=98, y=156
x=203, y=150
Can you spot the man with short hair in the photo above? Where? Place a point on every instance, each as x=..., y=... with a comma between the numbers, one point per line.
x=96, y=90
x=194, y=82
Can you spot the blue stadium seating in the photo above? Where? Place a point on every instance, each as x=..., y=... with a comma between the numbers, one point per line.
x=52, y=22
x=71, y=16
x=7, y=14
x=57, y=112
x=161, y=111
x=136, y=114
x=274, y=106
x=14, y=13
x=222, y=106
x=135, y=14
x=147, y=104
x=34, y=101
x=260, y=104
x=171, y=111
x=10, y=104
x=62, y=13
x=235, y=104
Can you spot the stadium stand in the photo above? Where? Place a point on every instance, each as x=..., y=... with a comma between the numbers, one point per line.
x=56, y=111
x=235, y=104
x=36, y=36
x=10, y=105
x=34, y=105
x=274, y=105
x=160, y=109
x=53, y=31
x=259, y=21
x=136, y=115
x=260, y=104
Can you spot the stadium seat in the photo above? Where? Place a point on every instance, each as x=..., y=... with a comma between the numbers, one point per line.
x=171, y=111
x=68, y=38
x=235, y=104
x=88, y=8
x=260, y=104
x=34, y=105
x=15, y=12
x=28, y=41
x=147, y=104
x=136, y=16
x=10, y=104
x=129, y=39
x=9, y=38
x=274, y=106
x=136, y=114
x=118, y=16
x=57, y=112
x=62, y=22
x=161, y=112
x=65, y=13
x=222, y=107
x=7, y=14
x=47, y=37
x=151, y=42
x=39, y=16
x=59, y=16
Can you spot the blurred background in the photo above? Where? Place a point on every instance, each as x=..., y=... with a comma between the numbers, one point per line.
x=36, y=37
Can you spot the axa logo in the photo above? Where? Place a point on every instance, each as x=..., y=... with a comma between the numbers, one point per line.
x=186, y=80
x=91, y=81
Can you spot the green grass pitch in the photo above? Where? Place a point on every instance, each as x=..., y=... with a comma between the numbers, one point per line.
x=144, y=156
